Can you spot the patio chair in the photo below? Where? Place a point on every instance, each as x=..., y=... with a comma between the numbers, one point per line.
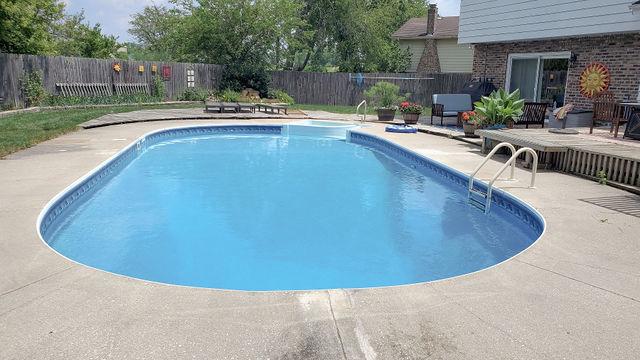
x=445, y=105
x=533, y=113
x=605, y=108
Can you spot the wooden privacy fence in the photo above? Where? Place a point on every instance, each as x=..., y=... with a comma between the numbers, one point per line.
x=339, y=89
x=99, y=73
x=77, y=76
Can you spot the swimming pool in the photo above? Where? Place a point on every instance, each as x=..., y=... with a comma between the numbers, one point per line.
x=246, y=208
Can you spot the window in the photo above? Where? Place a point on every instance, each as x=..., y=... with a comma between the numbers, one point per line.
x=539, y=76
x=191, y=78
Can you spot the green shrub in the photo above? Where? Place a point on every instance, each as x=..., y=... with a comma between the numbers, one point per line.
x=240, y=77
x=32, y=88
x=281, y=96
x=229, y=95
x=159, y=90
x=58, y=100
x=384, y=95
x=499, y=107
x=194, y=94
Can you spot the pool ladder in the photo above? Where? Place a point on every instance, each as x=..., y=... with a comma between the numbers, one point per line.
x=481, y=199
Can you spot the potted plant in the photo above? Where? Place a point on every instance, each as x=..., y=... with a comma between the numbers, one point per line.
x=470, y=123
x=384, y=96
x=410, y=112
x=500, y=109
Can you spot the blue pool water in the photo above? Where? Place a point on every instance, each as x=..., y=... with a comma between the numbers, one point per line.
x=267, y=212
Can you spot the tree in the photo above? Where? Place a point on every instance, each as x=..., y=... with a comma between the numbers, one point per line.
x=354, y=35
x=156, y=30
x=26, y=26
x=77, y=38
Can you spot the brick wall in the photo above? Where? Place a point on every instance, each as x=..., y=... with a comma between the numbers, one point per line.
x=620, y=53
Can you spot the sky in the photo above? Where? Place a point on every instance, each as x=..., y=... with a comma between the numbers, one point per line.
x=114, y=15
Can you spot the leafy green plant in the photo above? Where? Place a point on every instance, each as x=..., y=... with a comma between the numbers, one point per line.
x=194, y=94
x=32, y=88
x=229, y=95
x=281, y=96
x=58, y=100
x=384, y=95
x=602, y=177
x=159, y=90
x=499, y=107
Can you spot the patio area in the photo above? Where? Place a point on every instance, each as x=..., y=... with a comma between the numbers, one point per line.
x=575, y=294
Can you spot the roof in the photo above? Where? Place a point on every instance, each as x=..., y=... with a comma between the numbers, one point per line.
x=416, y=28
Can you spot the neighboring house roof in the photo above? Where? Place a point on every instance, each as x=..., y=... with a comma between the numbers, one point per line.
x=446, y=27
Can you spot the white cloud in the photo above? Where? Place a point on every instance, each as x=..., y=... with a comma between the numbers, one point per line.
x=448, y=7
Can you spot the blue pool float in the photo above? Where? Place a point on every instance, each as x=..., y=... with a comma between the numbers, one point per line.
x=401, y=129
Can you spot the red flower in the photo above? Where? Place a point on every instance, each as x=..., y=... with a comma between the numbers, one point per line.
x=404, y=104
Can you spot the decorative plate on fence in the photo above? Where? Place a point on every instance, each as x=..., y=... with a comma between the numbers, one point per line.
x=594, y=79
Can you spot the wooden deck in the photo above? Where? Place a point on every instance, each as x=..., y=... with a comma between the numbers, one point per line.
x=581, y=154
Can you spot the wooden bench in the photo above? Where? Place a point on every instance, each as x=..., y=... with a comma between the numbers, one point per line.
x=84, y=89
x=533, y=113
x=132, y=88
x=269, y=108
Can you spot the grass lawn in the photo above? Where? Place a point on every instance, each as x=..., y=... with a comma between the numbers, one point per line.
x=21, y=131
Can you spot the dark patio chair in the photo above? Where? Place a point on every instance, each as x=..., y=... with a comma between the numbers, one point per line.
x=606, y=109
x=533, y=113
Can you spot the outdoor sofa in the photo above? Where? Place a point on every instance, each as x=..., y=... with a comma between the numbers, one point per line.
x=449, y=105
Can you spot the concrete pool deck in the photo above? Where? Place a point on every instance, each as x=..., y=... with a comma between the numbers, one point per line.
x=575, y=294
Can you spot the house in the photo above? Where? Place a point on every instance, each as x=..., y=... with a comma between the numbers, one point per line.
x=556, y=50
x=433, y=44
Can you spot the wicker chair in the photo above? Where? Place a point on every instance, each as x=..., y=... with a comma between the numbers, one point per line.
x=606, y=109
x=533, y=113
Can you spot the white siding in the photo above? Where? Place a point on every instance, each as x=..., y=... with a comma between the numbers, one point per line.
x=416, y=47
x=508, y=20
x=454, y=57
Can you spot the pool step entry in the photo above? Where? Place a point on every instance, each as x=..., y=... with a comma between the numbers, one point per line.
x=481, y=199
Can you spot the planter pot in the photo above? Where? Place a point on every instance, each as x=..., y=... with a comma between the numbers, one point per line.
x=411, y=118
x=386, y=114
x=469, y=129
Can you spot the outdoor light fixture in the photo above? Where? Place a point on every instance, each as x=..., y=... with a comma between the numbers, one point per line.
x=573, y=58
x=635, y=8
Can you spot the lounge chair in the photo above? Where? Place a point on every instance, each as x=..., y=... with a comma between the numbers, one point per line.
x=448, y=105
x=271, y=108
x=246, y=107
x=220, y=107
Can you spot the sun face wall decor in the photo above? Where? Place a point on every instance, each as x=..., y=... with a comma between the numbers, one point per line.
x=594, y=79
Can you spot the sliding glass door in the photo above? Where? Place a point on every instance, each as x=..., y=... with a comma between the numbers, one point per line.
x=527, y=72
x=525, y=75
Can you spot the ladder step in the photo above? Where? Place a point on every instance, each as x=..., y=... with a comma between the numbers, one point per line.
x=477, y=193
x=480, y=205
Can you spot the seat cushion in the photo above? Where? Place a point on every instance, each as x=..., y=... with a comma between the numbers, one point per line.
x=453, y=102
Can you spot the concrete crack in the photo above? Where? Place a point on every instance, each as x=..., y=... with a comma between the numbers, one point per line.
x=335, y=322
x=580, y=281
